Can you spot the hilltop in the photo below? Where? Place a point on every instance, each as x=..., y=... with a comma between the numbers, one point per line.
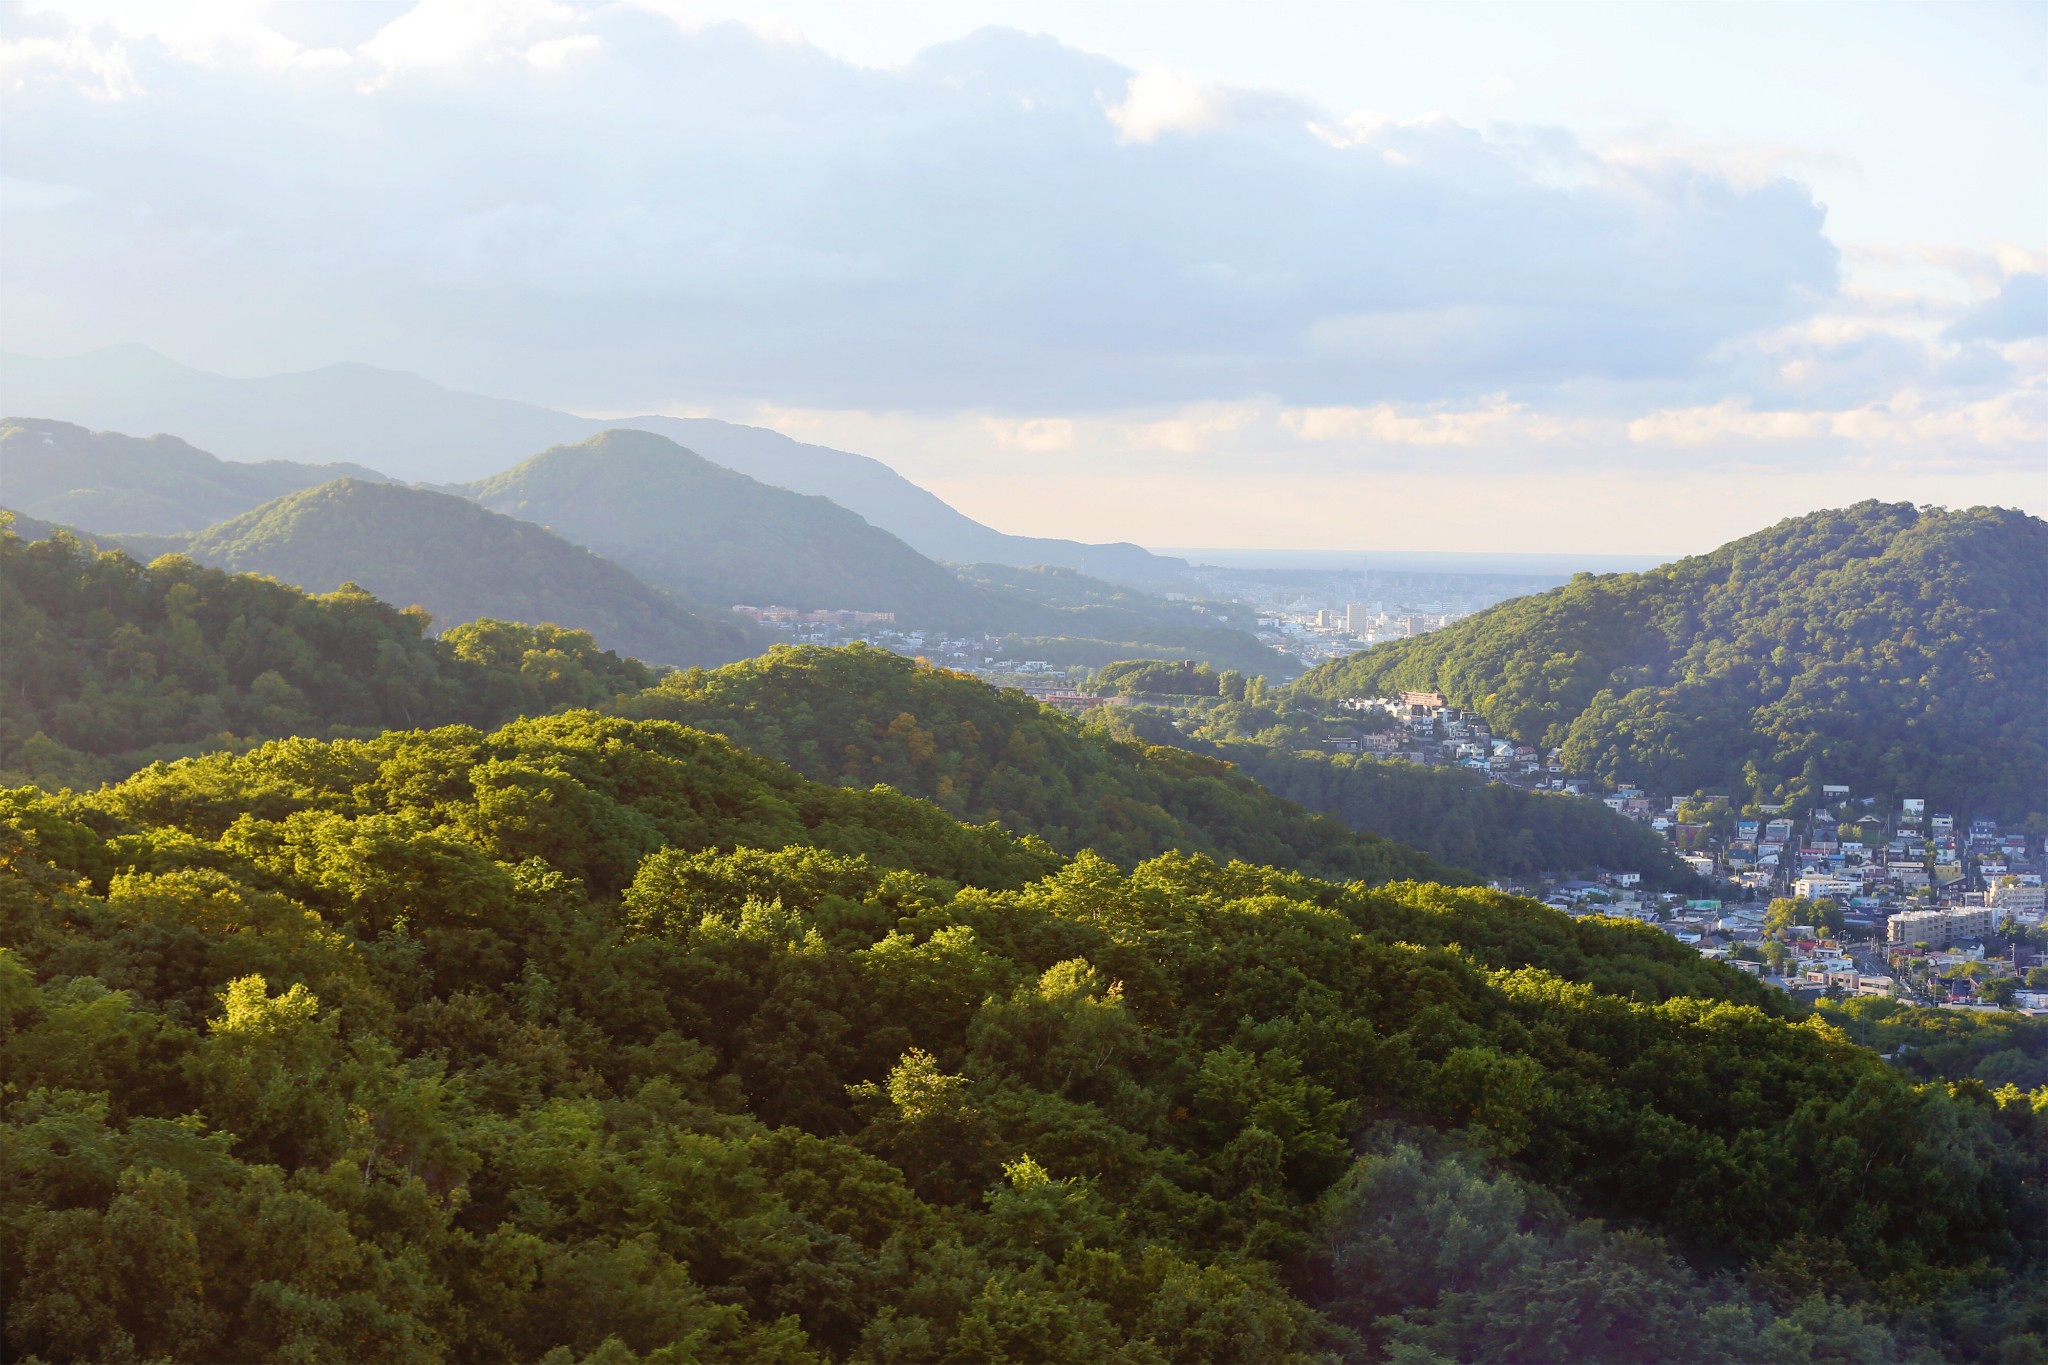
x=600, y=1039
x=155, y=485
x=413, y=428
x=464, y=563
x=680, y=521
x=111, y=664
x=860, y=716
x=1894, y=649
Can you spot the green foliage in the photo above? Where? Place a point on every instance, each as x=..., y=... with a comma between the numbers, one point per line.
x=1433, y=1257
x=110, y=664
x=599, y=1038
x=1155, y=678
x=463, y=563
x=859, y=716
x=1890, y=648
x=1460, y=817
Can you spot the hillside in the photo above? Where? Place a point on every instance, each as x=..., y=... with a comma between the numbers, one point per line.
x=603, y=1040
x=114, y=665
x=110, y=665
x=465, y=563
x=415, y=429
x=1893, y=649
x=715, y=536
x=157, y=485
x=860, y=716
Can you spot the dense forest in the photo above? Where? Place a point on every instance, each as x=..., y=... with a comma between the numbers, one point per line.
x=860, y=716
x=109, y=664
x=465, y=563
x=155, y=485
x=1274, y=735
x=1893, y=649
x=112, y=664
x=1462, y=818
x=600, y=1039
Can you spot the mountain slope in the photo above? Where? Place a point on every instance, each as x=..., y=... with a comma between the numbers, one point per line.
x=1894, y=649
x=156, y=485
x=676, y=519
x=859, y=716
x=599, y=1040
x=463, y=563
x=110, y=665
x=415, y=429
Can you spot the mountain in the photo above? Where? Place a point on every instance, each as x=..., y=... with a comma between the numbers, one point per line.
x=111, y=665
x=123, y=484
x=412, y=428
x=602, y=1040
x=463, y=563
x=858, y=716
x=678, y=520
x=1894, y=649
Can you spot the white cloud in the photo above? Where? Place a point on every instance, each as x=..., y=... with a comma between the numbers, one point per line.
x=1383, y=422
x=76, y=61
x=1187, y=435
x=1158, y=100
x=1038, y=434
x=460, y=33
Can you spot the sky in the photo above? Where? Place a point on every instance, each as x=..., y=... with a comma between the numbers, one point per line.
x=1578, y=278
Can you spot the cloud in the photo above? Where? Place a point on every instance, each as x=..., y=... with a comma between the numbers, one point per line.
x=1161, y=101
x=1387, y=424
x=1039, y=435
x=602, y=207
x=2019, y=310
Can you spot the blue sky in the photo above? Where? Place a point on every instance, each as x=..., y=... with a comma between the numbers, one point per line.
x=1625, y=277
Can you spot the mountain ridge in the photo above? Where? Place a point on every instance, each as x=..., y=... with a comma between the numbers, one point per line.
x=409, y=427
x=1891, y=648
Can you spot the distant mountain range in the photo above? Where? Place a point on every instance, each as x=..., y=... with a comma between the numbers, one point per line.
x=410, y=428
x=1896, y=650
x=697, y=528
x=691, y=529
x=463, y=563
x=156, y=485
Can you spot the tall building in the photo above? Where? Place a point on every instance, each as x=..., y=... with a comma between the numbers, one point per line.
x=1940, y=928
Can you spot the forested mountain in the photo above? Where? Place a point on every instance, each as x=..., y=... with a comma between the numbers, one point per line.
x=463, y=563
x=1892, y=648
x=156, y=485
x=413, y=428
x=860, y=716
x=680, y=521
x=604, y=1039
x=109, y=664
x=114, y=665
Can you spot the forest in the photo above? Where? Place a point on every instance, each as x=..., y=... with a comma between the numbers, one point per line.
x=1890, y=648
x=113, y=665
x=601, y=1039
x=491, y=996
